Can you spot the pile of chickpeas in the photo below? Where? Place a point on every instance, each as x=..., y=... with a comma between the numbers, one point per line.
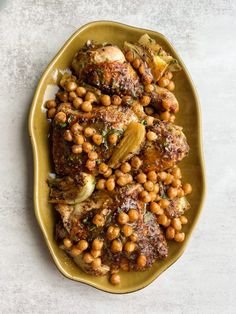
x=164, y=81
x=87, y=139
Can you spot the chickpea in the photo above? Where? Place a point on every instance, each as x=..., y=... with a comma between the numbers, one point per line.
x=168, y=75
x=92, y=155
x=80, y=91
x=134, y=237
x=70, y=86
x=112, y=139
x=128, y=178
x=151, y=136
x=98, y=220
x=153, y=196
x=97, y=139
x=149, y=88
x=129, y=246
x=108, y=173
x=116, y=100
x=103, y=167
x=63, y=96
x=112, y=232
x=97, y=244
x=90, y=97
x=76, y=128
x=145, y=197
x=136, y=163
x=141, y=261
x=171, y=86
x=152, y=176
x=118, y=173
x=115, y=279
x=149, y=110
x=105, y=100
x=162, y=219
x=116, y=246
x=162, y=175
x=122, y=218
x=187, y=188
x=77, y=102
x=165, y=116
x=170, y=233
x=75, y=251
x=180, y=192
x=169, y=179
x=60, y=117
x=136, y=63
x=67, y=243
x=141, y=178
x=141, y=69
x=163, y=82
x=127, y=100
x=87, y=147
x=149, y=120
x=51, y=113
x=79, y=139
x=68, y=136
x=110, y=184
x=72, y=96
x=145, y=100
x=82, y=245
x=96, y=263
x=127, y=230
x=96, y=253
x=129, y=56
x=176, y=223
x=101, y=184
x=64, y=106
x=172, y=192
x=121, y=181
x=88, y=132
x=156, y=209
x=146, y=79
x=156, y=188
x=166, y=104
x=125, y=167
x=148, y=186
x=86, y=106
x=77, y=149
x=176, y=183
x=91, y=164
x=88, y=258
x=179, y=236
x=133, y=215
x=51, y=104
x=164, y=203
x=184, y=220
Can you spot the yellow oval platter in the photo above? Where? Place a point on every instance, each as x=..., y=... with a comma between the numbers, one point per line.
x=192, y=167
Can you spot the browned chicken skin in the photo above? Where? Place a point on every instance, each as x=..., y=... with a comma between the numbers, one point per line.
x=107, y=69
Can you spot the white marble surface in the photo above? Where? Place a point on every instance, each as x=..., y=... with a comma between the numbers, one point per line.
x=204, y=279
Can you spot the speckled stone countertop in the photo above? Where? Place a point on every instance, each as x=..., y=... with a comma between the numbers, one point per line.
x=203, y=280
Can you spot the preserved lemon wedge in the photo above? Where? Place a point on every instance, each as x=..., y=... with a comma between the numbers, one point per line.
x=129, y=145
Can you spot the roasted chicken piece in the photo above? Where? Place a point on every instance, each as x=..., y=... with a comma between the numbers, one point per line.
x=169, y=147
x=104, y=120
x=79, y=223
x=106, y=68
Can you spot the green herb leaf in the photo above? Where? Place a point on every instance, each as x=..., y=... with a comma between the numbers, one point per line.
x=63, y=125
